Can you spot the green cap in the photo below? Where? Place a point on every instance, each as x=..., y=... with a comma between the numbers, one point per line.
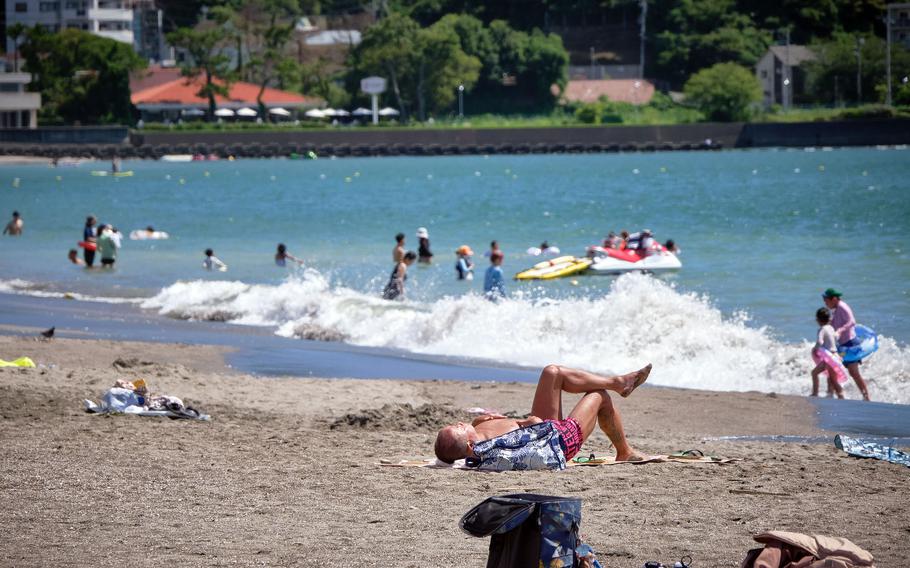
x=831, y=293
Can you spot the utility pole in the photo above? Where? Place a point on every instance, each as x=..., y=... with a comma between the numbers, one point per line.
x=860, y=41
x=788, y=82
x=641, y=54
x=888, y=52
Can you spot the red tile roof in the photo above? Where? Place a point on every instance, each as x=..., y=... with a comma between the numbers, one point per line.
x=162, y=88
x=617, y=90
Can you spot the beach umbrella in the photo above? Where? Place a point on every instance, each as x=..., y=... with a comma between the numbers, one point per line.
x=314, y=113
x=224, y=112
x=329, y=112
x=362, y=112
x=388, y=111
x=192, y=112
x=278, y=111
x=341, y=112
x=246, y=111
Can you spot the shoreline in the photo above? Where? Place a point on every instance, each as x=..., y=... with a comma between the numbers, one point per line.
x=259, y=352
x=270, y=467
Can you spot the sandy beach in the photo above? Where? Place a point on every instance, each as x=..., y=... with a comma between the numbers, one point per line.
x=285, y=472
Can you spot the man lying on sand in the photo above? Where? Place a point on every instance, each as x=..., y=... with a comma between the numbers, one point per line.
x=595, y=407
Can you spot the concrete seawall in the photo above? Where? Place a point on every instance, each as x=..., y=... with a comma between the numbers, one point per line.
x=385, y=142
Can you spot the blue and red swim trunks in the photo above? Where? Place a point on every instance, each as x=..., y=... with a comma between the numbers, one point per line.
x=569, y=435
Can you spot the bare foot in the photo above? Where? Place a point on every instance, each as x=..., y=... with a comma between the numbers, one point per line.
x=632, y=456
x=634, y=380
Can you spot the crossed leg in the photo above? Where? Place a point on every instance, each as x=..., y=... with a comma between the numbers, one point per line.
x=594, y=408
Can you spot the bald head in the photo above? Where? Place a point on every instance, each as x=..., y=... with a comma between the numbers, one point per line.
x=451, y=444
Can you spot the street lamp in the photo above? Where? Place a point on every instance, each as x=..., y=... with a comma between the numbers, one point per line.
x=460, y=101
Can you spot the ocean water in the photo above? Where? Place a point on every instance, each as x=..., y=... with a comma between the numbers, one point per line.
x=762, y=234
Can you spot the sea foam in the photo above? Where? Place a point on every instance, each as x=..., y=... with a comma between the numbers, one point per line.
x=640, y=319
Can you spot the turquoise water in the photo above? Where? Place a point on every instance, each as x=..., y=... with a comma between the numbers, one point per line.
x=762, y=234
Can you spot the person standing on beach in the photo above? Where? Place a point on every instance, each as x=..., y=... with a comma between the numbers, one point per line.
x=89, y=239
x=844, y=326
x=14, y=227
x=494, y=286
x=394, y=290
x=107, y=246
x=398, y=251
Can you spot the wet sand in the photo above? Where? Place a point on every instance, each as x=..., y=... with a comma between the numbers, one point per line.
x=285, y=472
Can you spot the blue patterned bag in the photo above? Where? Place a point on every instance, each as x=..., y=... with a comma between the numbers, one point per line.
x=533, y=447
x=528, y=530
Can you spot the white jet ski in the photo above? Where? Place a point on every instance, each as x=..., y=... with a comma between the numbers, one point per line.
x=615, y=261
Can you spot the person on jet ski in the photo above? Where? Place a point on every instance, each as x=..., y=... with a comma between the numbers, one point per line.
x=612, y=241
x=647, y=246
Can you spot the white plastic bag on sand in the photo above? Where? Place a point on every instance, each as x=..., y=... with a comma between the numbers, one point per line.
x=121, y=400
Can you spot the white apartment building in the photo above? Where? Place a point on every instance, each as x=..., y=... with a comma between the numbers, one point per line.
x=18, y=108
x=107, y=18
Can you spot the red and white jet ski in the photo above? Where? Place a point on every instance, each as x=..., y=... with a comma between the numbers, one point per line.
x=615, y=261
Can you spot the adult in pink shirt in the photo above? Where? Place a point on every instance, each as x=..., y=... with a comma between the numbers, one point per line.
x=844, y=323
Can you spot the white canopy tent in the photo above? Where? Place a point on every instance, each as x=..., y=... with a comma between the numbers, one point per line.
x=388, y=111
x=278, y=111
x=246, y=111
x=224, y=113
x=341, y=112
x=362, y=112
x=314, y=113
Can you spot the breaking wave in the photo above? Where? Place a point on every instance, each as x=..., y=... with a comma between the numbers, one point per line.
x=640, y=319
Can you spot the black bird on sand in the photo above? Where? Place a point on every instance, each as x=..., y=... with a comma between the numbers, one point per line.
x=49, y=333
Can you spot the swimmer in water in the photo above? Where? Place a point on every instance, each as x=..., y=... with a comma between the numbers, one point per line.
x=282, y=256
x=212, y=262
x=73, y=256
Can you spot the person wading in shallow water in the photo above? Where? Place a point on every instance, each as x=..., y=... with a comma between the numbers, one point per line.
x=394, y=290
x=14, y=227
x=844, y=326
x=398, y=251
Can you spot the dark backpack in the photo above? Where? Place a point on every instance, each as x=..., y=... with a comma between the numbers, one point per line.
x=527, y=530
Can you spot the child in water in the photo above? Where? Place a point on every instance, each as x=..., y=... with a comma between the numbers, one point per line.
x=494, y=286
x=212, y=262
x=824, y=354
x=74, y=258
x=464, y=268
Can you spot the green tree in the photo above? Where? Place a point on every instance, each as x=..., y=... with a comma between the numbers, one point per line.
x=273, y=24
x=424, y=66
x=388, y=48
x=82, y=78
x=315, y=80
x=16, y=32
x=833, y=73
x=441, y=67
x=517, y=69
x=695, y=34
x=724, y=92
x=204, y=44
